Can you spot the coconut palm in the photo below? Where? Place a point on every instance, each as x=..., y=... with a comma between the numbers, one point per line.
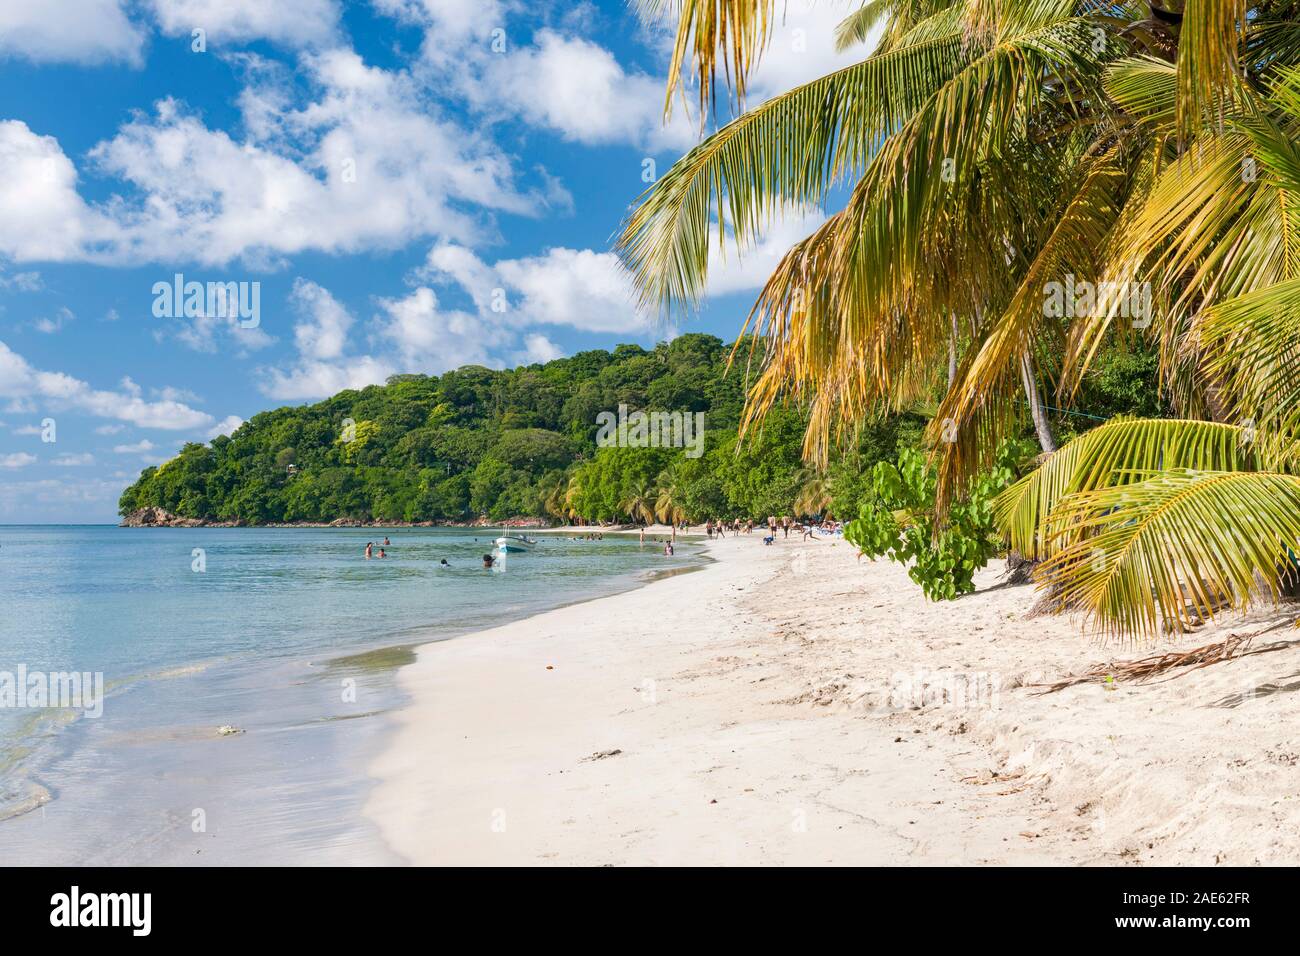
x=639, y=505
x=994, y=148
x=668, y=506
x=814, y=494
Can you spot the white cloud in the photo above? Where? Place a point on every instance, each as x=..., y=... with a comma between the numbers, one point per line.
x=430, y=339
x=322, y=331
x=579, y=89
x=538, y=348
x=51, y=324
x=321, y=337
x=579, y=288
x=293, y=23
x=21, y=281
x=74, y=461
x=576, y=287
x=315, y=380
x=747, y=270
x=19, y=459
x=41, y=215
x=109, y=429
x=208, y=333
x=69, y=31
x=802, y=48
x=369, y=163
x=138, y=448
x=227, y=426
x=21, y=382
x=27, y=430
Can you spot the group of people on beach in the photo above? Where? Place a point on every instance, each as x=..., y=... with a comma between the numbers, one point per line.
x=784, y=524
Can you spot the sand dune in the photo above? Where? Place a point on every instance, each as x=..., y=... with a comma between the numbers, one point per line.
x=792, y=705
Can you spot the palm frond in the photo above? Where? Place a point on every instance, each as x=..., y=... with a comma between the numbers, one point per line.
x=1113, y=454
x=1170, y=551
x=787, y=152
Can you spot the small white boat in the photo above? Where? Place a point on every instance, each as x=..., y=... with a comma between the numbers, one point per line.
x=515, y=543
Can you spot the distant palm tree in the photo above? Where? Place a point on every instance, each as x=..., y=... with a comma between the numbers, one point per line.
x=640, y=505
x=668, y=508
x=814, y=494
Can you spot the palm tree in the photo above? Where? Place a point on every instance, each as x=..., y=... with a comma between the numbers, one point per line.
x=640, y=505
x=668, y=506
x=996, y=147
x=814, y=494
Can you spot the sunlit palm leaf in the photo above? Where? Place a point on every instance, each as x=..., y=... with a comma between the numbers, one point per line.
x=1170, y=551
x=1112, y=454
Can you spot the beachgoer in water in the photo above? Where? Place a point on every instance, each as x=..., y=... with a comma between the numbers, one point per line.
x=386, y=541
x=444, y=564
x=370, y=548
x=488, y=561
x=668, y=549
x=382, y=553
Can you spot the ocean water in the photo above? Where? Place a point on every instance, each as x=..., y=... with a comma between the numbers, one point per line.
x=288, y=635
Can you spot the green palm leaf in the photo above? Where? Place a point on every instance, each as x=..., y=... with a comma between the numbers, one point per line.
x=1110, y=455
x=1170, y=551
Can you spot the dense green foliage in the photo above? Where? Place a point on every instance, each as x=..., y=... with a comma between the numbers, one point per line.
x=518, y=442
x=897, y=520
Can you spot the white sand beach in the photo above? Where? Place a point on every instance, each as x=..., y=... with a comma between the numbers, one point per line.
x=772, y=709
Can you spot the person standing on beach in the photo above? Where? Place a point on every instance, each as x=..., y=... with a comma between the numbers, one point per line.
x=785, y=525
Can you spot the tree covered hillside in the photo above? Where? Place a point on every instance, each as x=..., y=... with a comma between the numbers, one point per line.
x=518, y=442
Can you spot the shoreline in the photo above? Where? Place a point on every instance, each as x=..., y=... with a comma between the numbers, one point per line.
x=791, y=705
x=288, y=702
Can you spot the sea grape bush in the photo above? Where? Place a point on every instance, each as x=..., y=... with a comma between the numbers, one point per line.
x=898, y=521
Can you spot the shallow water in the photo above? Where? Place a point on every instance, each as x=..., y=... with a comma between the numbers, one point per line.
x=288, y=635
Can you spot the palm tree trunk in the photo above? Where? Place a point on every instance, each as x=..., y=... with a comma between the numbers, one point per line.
x=952, y=352
x=1046, y=440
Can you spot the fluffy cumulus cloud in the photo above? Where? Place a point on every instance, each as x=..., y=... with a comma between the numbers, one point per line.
x=366, y=163
x=18, y=459
x=580, y=90
x=292, y=23
x=323, y=364
x=23, y=384
x=42, y=217
x=70, y=31
x=227, y=426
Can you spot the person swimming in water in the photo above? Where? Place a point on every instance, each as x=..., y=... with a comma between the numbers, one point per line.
x=444, y=564
x=386, y=541
x=488, y=561
x=382, y=553
x=370, y=548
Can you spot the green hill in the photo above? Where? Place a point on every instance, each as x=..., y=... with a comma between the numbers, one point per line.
x=511, y=443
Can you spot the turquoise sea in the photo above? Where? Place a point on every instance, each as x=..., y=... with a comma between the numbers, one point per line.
x=288, y=635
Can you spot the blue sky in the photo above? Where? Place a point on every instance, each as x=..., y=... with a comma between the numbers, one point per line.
x=388, y=171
